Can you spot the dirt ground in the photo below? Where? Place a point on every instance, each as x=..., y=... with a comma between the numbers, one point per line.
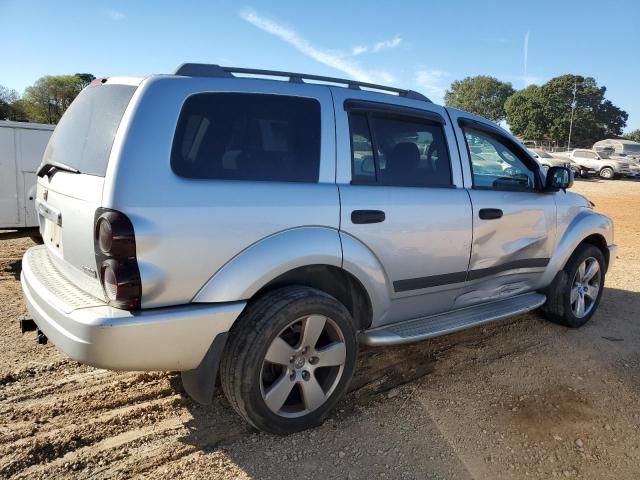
x=522, y=398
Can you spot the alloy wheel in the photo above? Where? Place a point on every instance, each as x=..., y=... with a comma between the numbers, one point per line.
x=585, y=287
x=302, y=366
x=606, y=173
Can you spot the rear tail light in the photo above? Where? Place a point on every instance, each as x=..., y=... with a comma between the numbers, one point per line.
x=115, y=250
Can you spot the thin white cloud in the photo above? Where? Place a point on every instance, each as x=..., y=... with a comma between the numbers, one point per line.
x=431, y=81
x=333, y=59
x=359, y=49
x=378, y=46
x=385, y=44
x=115, y=15
x=526, y=51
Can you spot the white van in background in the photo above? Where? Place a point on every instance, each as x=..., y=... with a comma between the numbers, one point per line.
x=21, y=148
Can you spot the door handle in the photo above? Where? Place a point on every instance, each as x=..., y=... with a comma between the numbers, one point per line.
x=490, y=213
x=367, y=216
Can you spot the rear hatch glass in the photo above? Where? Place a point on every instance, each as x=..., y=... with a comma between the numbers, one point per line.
x=67, y=201
x=84, y=137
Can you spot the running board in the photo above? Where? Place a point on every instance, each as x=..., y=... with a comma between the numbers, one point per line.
x=449, y=322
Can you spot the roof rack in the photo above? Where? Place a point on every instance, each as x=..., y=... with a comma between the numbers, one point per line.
x=212, y=70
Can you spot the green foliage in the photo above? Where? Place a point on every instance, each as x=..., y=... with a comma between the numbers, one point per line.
x=482, y=95
x=544, y=112
x=86, y=78
x=47, y=99
x=634, y=136
x=9, y=104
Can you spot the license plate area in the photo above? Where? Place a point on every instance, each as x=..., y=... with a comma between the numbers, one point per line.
x=52, y=236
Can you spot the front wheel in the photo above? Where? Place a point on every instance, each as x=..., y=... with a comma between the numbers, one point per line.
x=574, y=296
x=607, y=173
x=289, y=359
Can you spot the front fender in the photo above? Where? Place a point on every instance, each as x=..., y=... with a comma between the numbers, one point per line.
x=584, y=224
x=257, y=265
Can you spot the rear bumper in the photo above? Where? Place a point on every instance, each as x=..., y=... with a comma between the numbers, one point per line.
x=91, y=332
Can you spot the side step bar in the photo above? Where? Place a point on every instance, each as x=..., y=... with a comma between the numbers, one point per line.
x=449, y=322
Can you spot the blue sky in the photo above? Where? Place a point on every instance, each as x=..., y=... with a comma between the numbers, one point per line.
x=423, y=45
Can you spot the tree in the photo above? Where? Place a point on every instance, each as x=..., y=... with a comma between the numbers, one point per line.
x=482, y=95
x=544, y=112
x=8, y=99
x=86, y=78
x=48, y=98
x=634, y=135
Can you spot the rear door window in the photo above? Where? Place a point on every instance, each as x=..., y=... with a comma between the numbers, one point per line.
x=85, y=134
x=398, y=151
x=243, y=136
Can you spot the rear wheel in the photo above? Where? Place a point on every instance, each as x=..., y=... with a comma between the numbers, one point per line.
x=574, y=296
x=607, y=173
x=289, y=359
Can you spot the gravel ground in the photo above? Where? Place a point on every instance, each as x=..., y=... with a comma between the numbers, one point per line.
x=522, y=398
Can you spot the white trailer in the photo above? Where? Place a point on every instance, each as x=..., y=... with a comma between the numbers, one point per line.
x=21, y=148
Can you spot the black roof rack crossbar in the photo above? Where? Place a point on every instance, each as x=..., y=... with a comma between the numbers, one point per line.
x=212, y=70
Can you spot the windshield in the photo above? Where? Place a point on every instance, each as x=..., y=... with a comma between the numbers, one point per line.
x=84, y=137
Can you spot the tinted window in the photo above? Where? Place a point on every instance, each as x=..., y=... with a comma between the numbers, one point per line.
x=495, y=165
x=407, y=152
x=84, y=136
x=241, y=136
x=362, y=162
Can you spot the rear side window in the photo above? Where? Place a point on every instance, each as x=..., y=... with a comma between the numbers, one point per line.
x=242, y=136
x=84, y=136
x=398, y=151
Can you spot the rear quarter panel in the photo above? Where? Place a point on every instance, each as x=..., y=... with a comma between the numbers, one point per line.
x=186, y=229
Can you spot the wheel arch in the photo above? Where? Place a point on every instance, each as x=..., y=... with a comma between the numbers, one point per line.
x=587, y=227
x=318, y=257
x=335, y=281
x=598, y=241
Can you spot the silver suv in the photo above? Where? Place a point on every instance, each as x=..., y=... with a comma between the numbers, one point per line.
x=600, y=163
x=203, y=222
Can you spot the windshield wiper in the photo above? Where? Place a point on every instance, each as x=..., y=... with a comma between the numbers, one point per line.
x=49, y=167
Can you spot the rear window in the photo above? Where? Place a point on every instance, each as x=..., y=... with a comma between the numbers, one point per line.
x=242, y=136
x=84, y=136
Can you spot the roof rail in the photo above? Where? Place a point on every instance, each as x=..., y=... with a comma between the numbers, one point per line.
x=212, y=70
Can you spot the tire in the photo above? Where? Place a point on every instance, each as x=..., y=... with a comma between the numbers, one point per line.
x=275, y=325
x=607, y=173
x=560, y=306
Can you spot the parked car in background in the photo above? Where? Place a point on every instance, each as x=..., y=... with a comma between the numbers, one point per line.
x=618, y=147
x=624, y=150
x=262, y=229
x=21, y=148
x=546, y=161
x=600, y=164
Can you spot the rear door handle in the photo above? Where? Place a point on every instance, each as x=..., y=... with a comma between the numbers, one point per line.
x=367, y=216
x=490, y=213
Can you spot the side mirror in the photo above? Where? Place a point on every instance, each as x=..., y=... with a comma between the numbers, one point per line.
x=558, y=178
